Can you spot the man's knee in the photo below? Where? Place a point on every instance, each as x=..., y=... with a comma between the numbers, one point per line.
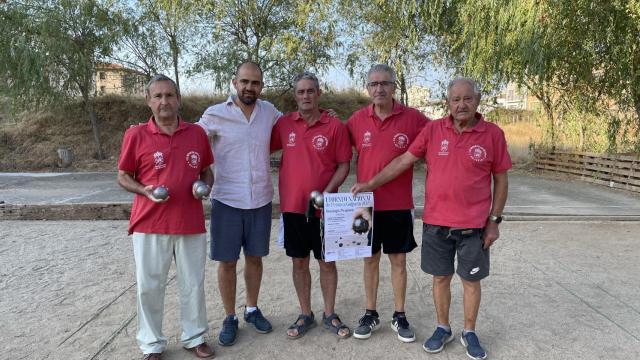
x=227, y=265
x=442, y=280
x=398, y=261
x=327, y=267
x=300, y=265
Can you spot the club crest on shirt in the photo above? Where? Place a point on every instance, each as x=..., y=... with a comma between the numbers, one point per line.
x=158, y=160
x=400, y=140
x=292, y=139
x=444, y=147
x=366, y=139
x=320, y=142
x=193, y=159
x=477, y=153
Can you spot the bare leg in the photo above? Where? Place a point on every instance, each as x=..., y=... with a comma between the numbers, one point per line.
x=471, y=301
x=329, y=284
x=442, y=297
x=227, y=285
x=252, y=278
x=399, y=279
x=302, y=284
x=371, y=279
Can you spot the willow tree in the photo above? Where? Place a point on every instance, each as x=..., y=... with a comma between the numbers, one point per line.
x=283, y=36
x=50, y=49
x=562, y=51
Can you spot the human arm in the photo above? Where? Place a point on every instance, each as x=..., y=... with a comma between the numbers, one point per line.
x=342, y=170
x=127, y=181
x=500, y=191
x=393, y=169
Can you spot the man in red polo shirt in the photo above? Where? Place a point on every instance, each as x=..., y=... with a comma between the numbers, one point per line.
x=315, y=156
x=380, y=132
x=463, y=153
x=166, y=151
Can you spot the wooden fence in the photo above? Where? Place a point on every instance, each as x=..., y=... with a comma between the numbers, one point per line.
x=616, y=171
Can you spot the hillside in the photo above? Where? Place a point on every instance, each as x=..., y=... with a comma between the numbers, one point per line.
x=31, y=142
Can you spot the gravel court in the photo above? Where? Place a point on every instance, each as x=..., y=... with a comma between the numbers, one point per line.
x=558, y=290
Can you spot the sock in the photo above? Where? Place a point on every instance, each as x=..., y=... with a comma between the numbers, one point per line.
x=398, y=313
x=251, y=309
x=372, y=312
x=446, y=327
x=465, y=331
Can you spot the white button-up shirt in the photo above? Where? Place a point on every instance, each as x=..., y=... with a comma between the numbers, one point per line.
x=241, y=150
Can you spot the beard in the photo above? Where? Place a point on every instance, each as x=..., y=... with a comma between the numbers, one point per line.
x=247, y=100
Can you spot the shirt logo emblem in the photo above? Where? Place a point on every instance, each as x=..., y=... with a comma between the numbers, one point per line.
x=444, y=147
x=400, y=140
x=320, y=142
x=366, y=139
x=292, y=139
x=158, y=160
x=193, y=159
x=477, y=153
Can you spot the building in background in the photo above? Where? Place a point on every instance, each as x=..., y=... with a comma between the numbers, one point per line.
x=517, y=98
x=118, y=80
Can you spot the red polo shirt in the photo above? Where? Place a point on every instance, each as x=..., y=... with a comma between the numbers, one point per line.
x=310, y=156
x=378, y=142
x=174, y=161
x=458, y=184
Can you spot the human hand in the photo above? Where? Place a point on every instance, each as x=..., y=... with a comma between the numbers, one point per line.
x=491, y=234
x=148, y=192
x=359, y=187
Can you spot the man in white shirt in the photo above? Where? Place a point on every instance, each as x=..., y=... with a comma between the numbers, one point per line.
x=240, y=131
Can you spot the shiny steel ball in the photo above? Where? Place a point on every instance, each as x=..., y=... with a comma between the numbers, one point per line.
x=160, y=193
x=201, y=189
x=360, y=225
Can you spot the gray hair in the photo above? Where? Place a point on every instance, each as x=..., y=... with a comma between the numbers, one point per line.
x=471, y=82
x=382, y=68
x=161, y=77
x=306, y=75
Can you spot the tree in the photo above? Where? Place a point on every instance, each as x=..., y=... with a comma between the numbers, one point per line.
x=567, y=53
x=387, y=32
x=174, y=19
x=50, y=49
x=283, y=36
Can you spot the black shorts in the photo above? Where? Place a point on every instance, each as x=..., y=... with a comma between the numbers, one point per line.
x=393, y=232
x=440, y=244
x=302, y=236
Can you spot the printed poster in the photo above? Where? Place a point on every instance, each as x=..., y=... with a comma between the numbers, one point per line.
x=348, y=225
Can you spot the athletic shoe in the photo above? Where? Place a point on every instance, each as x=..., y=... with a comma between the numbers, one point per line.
x=368, y=324
x=471, y=342
x=258, y=321
x=438, y=340
x=229, y=332
x=400, y=325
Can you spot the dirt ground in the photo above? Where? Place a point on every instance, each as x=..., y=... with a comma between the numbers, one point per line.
x=558, y=290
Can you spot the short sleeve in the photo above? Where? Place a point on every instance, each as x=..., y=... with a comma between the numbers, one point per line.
x=343, y=144
x=502, y=159
x=419, y=145
x=127, y=161
x=276, y=139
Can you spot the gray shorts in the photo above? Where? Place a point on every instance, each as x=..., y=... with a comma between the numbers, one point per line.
x=233, y=228
x=440, y=245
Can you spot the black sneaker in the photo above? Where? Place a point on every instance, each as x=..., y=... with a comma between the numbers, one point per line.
x=368, y=324
x=400, y=325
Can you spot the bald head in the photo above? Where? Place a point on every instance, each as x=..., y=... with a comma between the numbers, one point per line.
x=250, y=66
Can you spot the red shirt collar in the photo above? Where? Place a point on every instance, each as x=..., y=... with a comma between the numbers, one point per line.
x=480, y=126
x=324, y=116
x=153, y=127
x=396, y=109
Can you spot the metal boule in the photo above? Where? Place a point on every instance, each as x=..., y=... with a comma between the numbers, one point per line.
x=201, y=189
x=160, y=193
x=319, y=200
x=360, y=225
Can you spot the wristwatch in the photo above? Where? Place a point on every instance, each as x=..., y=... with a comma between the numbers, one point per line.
x=495, y=219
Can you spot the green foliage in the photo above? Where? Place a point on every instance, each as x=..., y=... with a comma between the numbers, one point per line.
x=285, y=37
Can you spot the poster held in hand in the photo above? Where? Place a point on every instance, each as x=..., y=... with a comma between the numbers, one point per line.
x=348, y=225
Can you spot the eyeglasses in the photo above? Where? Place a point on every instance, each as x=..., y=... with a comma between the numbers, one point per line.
x=375, y=84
